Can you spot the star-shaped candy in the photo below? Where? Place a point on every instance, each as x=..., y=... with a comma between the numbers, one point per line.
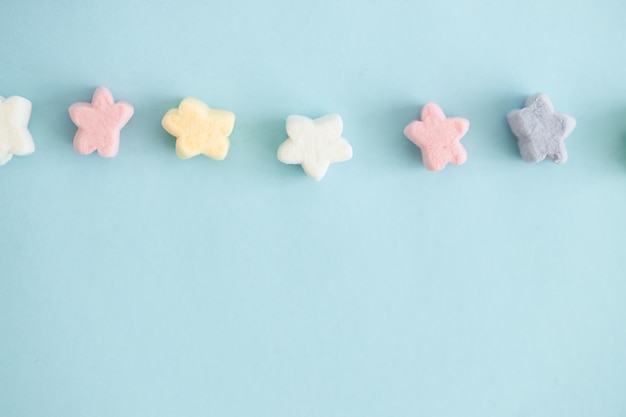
x=15, y=139
x=438, y=137
x=314, y=144
x=541, y=131
x=199, y=129
x=99, y=123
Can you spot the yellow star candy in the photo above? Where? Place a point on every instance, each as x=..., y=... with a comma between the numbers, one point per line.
x=199, y=129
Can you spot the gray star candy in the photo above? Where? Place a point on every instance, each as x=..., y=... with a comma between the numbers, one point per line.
x=541, y=131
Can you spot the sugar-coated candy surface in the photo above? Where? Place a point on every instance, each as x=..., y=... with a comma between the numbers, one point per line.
x=541, y=131
x=314, y=144
x=99, y=123
x=438, y=137
x=15, y=138
x=199, y=129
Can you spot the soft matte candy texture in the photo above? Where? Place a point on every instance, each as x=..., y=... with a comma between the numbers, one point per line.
x=199, y=129
x=314, y=144
x=15, y=139
x=99, y=123
x=541, y=131
x=438, y=137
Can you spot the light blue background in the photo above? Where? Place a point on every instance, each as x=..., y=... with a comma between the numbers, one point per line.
x=149, y=286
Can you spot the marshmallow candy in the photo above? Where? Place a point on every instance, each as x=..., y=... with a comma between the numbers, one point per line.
x=541, y=131
x=438, y=137
x=199, y=129
x=99, y=123
x=314, y=144
x=15, y=139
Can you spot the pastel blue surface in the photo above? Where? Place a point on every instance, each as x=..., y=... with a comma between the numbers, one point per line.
x=149, y=286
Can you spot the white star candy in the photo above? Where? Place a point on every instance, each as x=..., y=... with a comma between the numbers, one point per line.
x=314, y=144
x=15, y=139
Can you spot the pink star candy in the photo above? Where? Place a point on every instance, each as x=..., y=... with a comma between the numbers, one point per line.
x=99, y=123
x=438, y=137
